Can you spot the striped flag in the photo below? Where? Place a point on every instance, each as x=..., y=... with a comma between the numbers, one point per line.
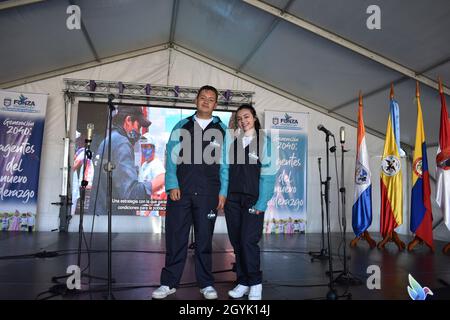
x=391, y=184
x=443, y=162
x=362, y=206
x=421, y=214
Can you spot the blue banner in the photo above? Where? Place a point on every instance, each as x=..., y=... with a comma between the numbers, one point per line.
x=22, y=117
x=286, y=211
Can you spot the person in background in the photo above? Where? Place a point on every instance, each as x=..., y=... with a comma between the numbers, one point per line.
x=126, y=131
x=23, y=222
x=5, y=221
x=15, y=221
x=30, y=221
x=152, y=169
x=251, y=186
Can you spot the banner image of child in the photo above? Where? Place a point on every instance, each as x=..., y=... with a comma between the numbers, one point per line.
x=30, y=221
x=5, y=221
x=15, y=222
x=23, y=222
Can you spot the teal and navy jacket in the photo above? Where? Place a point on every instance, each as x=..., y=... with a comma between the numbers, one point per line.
x=195, y=170
x=253, y=169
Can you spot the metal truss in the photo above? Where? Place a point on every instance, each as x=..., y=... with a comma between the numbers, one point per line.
x=148, y=93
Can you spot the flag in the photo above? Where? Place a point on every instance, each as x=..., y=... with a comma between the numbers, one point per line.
x=443, y=162
x=362, y=206
x=421, y=214
x=394, y=110
x=391, y=184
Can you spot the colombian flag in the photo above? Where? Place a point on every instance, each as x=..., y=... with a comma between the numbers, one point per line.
x=391, y=184
x=421, y=215
x=362, y=206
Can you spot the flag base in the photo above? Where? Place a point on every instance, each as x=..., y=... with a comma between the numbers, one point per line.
x=415, y=242
x=392, y=237
x=364, y=236
x=446, y=248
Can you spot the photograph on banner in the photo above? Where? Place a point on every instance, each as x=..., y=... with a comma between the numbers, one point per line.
x=22, y=118
x=286, y=211
x=138, y=152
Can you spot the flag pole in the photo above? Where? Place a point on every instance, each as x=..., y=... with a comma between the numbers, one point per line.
x=365, y=235
x=416, y=240
x=391, y=236
x=446, y=248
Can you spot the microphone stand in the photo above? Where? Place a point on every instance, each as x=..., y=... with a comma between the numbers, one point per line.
x=84, y=183
x=109, y=167
x=322, y=255
x=331, y=295
x=345, y=277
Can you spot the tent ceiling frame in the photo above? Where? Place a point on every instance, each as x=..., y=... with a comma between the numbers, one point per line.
x=261, y=41
x=345, y=43
x=87, y=37
x=144, y=93
x=199, y=57
x=83, y=66
x=280, y=92
x=173, y=21
x=386, y=86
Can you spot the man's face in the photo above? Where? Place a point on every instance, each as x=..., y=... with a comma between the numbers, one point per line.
x=129, y=125
x=206, y=102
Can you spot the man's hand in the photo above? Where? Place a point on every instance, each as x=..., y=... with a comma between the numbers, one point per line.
x=175, y=194
x=221, y=203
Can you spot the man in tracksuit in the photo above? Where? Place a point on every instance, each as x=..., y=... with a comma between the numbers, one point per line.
x=197, y=182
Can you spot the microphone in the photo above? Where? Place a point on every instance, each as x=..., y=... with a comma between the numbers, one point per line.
x=90, y=130
x=342, y=134
x=320, y=127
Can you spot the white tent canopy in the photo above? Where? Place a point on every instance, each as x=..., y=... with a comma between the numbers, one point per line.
x=237, y=45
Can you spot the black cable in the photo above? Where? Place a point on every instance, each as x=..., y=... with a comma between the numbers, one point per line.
x=181, y=286
x=116, y=288
x=65, y=252
x=268, y=284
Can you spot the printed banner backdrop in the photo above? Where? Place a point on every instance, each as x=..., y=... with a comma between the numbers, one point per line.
x=22, y=117
x=138, y=173
x=286, y=212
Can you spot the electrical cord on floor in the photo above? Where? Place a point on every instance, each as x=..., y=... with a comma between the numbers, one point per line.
x=53, y=254
x=60, y=290
x=65, y=252
x=65, y=291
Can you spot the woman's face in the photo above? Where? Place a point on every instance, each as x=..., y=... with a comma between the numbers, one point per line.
x=245, y=120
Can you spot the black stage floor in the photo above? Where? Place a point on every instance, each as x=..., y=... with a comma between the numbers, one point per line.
x=137, y=260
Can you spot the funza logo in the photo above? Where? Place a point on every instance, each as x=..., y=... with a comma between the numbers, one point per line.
x=23, y=101
x=288, y=119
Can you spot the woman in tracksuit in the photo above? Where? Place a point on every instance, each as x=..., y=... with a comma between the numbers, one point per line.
x=251, y=183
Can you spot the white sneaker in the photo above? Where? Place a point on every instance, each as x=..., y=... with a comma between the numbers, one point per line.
x=238, y=291
x=162, y=292
x=209, y=293
x=255, y=292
